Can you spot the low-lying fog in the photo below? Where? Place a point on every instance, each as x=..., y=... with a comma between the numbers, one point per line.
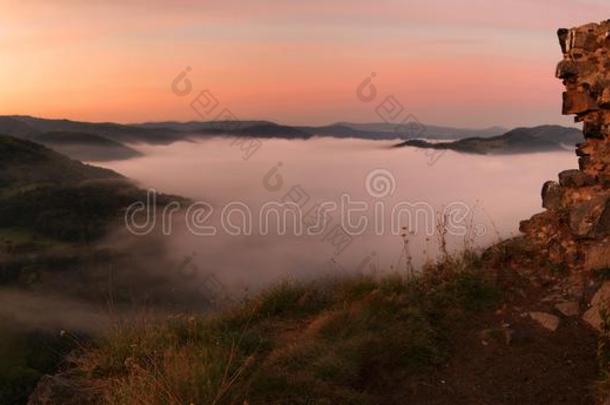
x=484, y=198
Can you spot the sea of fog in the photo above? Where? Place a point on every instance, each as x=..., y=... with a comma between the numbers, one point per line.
x=389, y=203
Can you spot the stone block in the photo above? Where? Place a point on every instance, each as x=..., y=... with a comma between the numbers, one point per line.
x=596, y=256
x=551, y=195
x=547, y=321
x=576, y=102
x=575, y=178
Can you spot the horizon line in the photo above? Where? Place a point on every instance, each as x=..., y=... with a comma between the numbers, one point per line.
x=338, y=122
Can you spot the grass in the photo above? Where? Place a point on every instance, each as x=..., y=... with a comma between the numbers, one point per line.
x=331, y=341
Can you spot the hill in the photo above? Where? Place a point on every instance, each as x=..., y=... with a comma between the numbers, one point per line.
x=423, y=131
x=195, y=126
x=54, y=212
x=544, y=138
x=100, y=143
x=345, y=131
x=45, y=192
x=374, y=131
x=117, y=132
x=273, y=131
x=85, y=146
x=83, y=140
x=251, y=129
x=15, y=127
x=25, y=163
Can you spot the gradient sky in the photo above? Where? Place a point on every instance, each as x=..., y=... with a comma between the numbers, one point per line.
x=471, y=63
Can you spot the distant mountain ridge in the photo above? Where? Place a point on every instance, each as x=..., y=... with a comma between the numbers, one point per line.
x=81, y=140
x=414, y=129
x=544, y=138
x=118, y=132
x=85, y=146
x=373, y=131
x=109, y=141
x=26, y=163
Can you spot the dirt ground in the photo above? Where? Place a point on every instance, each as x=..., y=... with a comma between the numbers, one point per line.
x=505, y=357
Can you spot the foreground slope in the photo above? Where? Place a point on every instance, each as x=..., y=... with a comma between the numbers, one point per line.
x=458, y=334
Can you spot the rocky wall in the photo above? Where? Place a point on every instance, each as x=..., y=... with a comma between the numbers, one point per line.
x=575, y=228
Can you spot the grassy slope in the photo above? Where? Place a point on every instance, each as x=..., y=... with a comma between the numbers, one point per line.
x=351, y=341
x=457, y=334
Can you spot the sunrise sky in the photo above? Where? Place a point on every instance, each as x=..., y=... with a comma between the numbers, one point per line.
x=471, y=63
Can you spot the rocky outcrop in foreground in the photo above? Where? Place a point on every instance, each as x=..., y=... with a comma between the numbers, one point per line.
x=575, y=228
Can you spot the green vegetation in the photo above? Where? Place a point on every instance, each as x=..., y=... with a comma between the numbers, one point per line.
x=50, y=208
x=23, y=238
x=24, y=358
x=342, y=341
x=46, y=193
x=76, y=213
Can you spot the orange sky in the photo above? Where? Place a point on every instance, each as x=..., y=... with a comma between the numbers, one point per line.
x=463, y=63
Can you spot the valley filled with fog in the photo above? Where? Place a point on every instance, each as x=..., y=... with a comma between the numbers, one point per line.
x=399, y=197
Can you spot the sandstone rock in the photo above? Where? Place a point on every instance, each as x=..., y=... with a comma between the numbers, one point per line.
x=575, y=287
x=547, y=321
x=584, y=216
x=566, y=69
x=600, y=300
x=602, y=227
x=584, y=162
x=576, y=226
x=568, y=308
x=575, y=178
x=596, y=256
x=576, y=102
x=604, y=100
x=563, y=35
x=551, y=196
x=604, y=180
x=592, y=130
